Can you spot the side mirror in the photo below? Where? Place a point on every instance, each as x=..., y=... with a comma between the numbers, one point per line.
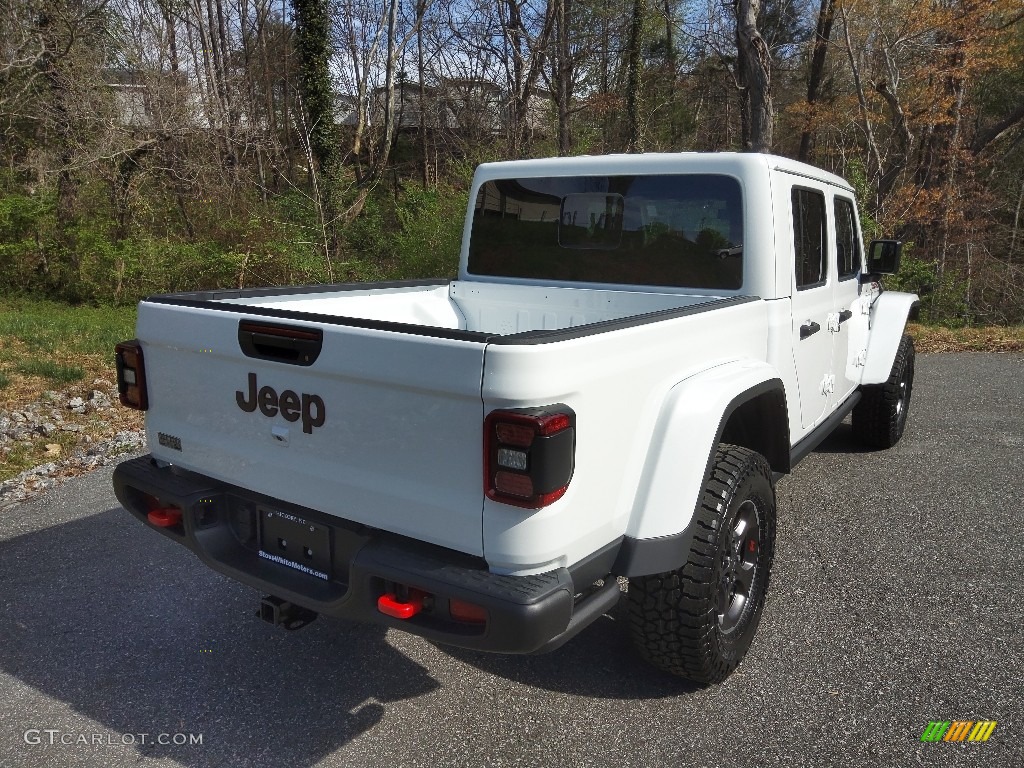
x=884, y=257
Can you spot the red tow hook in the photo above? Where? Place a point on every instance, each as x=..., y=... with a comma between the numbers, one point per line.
x=389, y=605
x=165, y=517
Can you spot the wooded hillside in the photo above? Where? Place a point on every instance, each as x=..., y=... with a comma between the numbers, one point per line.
x=154, y=145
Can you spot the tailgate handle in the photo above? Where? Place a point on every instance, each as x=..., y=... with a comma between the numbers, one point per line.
x=295, y=345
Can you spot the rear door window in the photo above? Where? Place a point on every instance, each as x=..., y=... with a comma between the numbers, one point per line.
x=810, y=239
x=847, y=244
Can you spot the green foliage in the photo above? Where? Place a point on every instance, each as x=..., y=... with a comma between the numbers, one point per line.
x=406, y=233
x=857, y=176
x=21, y=213
x=429, y=234
x=419, y=235
x=276, y=243
x=25, y=223
x=943, y=296
x=5, y=380
x=915, y=275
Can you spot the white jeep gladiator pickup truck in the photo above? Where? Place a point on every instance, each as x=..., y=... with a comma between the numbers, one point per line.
x=635, y=349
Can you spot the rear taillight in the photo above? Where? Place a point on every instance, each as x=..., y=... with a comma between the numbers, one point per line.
x=529, y=455
x=131, y=375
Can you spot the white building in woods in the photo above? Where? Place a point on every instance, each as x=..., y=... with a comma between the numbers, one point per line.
x=461, y=109
x=155, y=100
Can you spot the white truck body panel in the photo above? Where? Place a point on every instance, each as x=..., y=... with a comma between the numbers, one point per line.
x=616, y=416
x=682, y=440
x=400, y=445
x=890, y=309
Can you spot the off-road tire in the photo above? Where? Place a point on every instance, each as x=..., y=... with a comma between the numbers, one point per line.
x=881, y=415
x=675, y=617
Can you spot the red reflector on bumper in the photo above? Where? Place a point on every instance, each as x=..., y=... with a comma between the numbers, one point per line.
x=471, y=613
x=164, y=518
x=389, y=605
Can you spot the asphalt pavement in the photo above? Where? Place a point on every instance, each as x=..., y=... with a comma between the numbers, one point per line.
x=896, y=600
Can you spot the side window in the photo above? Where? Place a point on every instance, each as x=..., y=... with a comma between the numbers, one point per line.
x=809, y=238
x=847, y=245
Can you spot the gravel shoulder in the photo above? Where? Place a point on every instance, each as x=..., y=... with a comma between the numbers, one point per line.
x=80, y=432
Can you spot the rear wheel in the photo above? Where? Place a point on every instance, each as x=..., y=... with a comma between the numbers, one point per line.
x=699, y=620
x=881, y=415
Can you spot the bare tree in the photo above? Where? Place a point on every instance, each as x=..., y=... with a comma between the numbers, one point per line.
x=755, y=77
x=634, y=140
x=819, y=52
x=525, y=29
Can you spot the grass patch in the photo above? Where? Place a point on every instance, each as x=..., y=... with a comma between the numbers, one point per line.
x=46, y=346
x=934, y=338
x=47, y=326
x=55, y=373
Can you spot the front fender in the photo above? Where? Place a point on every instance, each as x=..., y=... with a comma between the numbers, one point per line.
x=889, y=314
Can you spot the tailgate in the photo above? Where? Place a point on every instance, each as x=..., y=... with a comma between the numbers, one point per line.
x=384, y=428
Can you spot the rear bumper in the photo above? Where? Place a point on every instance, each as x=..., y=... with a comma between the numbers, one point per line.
x=220, y=523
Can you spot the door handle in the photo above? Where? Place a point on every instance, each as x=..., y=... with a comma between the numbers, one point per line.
x=845, y=315
x=809, y=329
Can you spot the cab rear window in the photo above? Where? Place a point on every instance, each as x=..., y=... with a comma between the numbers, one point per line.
x=673, y=230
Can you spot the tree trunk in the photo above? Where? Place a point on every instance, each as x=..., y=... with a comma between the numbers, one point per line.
x=563, y=75
x=58, y=127
x=672, y=73
x=741, y=83
x=757, y=76
x=822, y=37
x=224, y=46
x=312, y=41
x=634, y=140
x=172, y=36
x=51, y=65
x=517, y=108
x=524, y=59
x=421, y=8
x=874, y=158
x=390, y=125
x=605, y=67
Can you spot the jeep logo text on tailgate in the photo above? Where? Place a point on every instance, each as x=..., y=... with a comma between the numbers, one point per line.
x=310, y=407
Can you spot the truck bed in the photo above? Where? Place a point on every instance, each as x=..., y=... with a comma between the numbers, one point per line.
x=403, y=377
x=478, y=307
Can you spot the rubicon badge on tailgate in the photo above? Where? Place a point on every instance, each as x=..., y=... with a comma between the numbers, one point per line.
x=292, y=406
